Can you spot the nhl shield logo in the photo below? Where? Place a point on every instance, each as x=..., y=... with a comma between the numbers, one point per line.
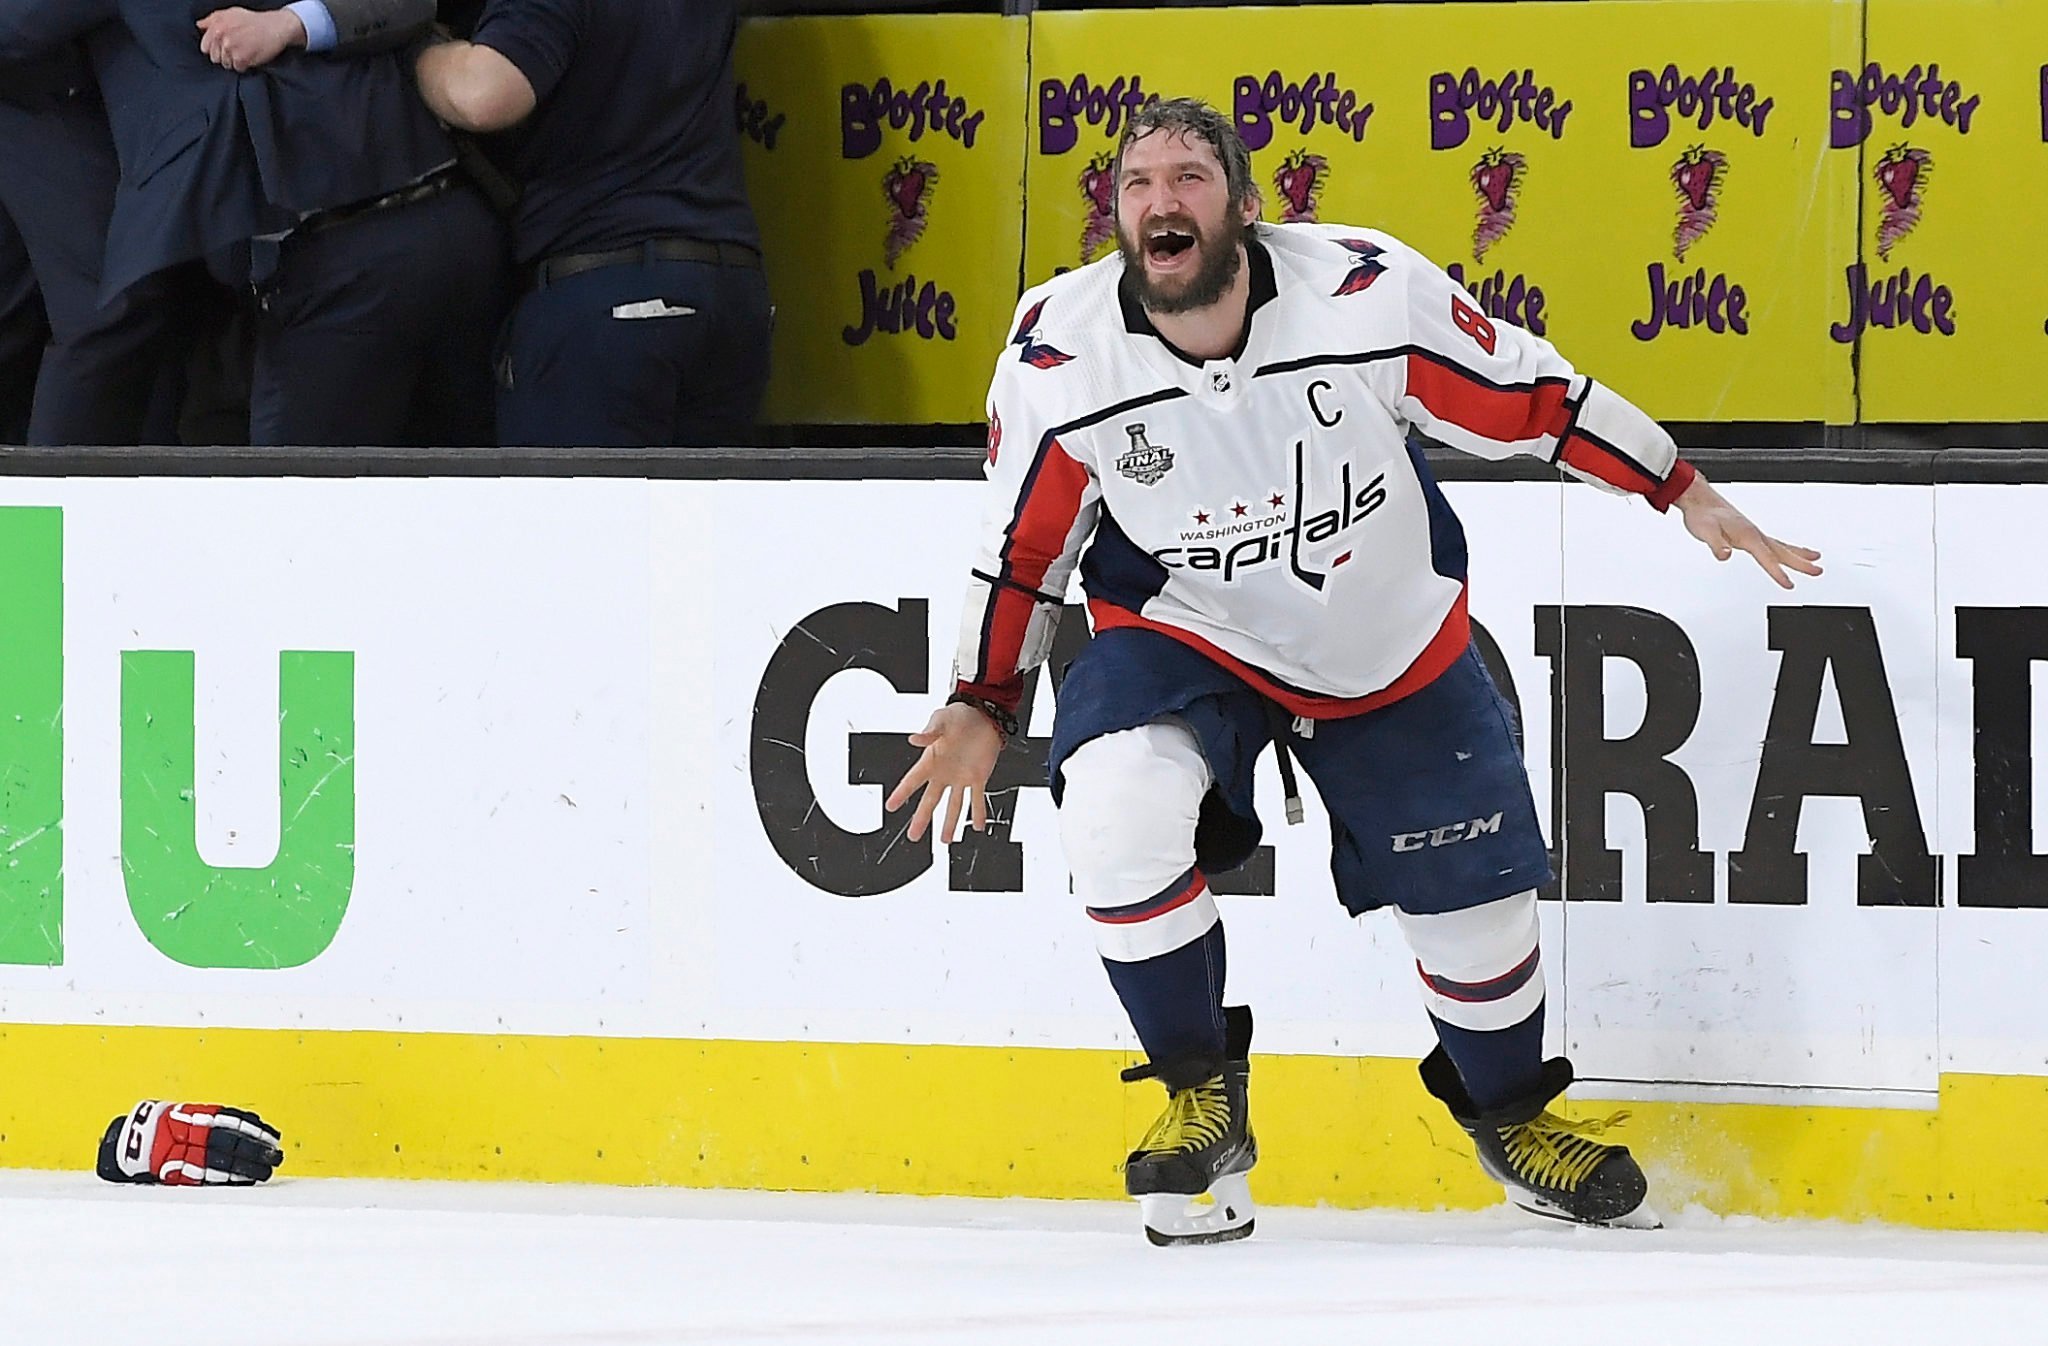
x=1144, y=463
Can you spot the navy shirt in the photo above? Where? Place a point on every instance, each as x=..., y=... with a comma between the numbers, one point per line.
x=635, y=136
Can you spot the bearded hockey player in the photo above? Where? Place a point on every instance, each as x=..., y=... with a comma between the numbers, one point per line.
x=1224, y=411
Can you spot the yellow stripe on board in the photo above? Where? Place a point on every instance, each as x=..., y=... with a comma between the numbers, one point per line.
x=969, y=1121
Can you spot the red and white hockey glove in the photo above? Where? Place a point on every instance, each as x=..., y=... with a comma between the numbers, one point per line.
x=189, y=1145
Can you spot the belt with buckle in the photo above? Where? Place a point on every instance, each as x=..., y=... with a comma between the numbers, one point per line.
x=430, y=186
x=654, y=250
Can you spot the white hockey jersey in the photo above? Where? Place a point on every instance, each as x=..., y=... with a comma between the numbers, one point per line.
x=1268, y=509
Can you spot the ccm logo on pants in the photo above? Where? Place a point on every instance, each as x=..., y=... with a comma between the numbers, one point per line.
x=1450, y=834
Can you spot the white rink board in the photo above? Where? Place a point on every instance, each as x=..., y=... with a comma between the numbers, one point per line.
x=1817, y=994
x=522, y=644
x=493, y=687
x=1993, y=553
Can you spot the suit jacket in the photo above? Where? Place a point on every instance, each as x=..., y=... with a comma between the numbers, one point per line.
x=368, y=26
x=210, y=159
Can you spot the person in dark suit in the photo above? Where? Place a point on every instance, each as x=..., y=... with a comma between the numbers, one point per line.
x=106, y=376
x=22, y=335
x=646, y=318
x=323, y=185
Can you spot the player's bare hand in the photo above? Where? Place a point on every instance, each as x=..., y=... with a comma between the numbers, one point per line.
x=245, y=39
x=960, y=749
x=1726, y=530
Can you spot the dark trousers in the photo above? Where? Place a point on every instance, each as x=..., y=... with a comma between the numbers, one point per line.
x=108, y=374
x=377, y=330
x=22, y=335
x=577, y=369
x=119, y=381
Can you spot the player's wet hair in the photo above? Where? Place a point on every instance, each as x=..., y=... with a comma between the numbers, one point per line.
x=1191, y=117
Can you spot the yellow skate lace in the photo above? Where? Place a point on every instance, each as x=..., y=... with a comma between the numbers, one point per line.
x=1556, y=1152
x=1195, y=1117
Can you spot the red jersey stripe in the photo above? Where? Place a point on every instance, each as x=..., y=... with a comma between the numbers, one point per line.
x=1038, y=533
x=1595, y=461
x=1504, y=415
x=1009, y=620
x=1050, y=502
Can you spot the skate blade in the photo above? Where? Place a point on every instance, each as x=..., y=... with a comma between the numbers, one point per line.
x=1173, y=1220
x=1642, y=1217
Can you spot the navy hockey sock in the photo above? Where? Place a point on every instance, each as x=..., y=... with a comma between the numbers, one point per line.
x=1497, y=1067
x=1175, y=1000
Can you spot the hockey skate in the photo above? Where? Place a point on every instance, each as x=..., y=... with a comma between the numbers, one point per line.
x=1201, y=1147
x=1549, y=1166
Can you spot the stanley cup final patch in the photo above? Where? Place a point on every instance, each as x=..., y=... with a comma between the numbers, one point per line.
x=1143, y=462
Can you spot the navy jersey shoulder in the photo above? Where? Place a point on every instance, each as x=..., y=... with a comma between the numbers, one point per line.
x=635, y=135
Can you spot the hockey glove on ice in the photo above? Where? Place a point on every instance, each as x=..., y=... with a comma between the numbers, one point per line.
x=189, y=1145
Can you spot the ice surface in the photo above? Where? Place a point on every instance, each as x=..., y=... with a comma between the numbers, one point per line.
x=339, y=1263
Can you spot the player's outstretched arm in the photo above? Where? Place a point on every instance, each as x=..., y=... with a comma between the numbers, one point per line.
x=1726, y=530
x=960, y=749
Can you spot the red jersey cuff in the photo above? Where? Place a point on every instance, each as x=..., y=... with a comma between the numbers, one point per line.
x=1674, y=485
x=1009, y=695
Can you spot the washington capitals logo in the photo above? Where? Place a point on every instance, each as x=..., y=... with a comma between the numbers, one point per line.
x=1034, y=352
x=1365, y=269
x=1902, y=174
x=908, y=186
x=1497, y=180
x=1098, y=188
x=1698, y=176
x=1300, y=180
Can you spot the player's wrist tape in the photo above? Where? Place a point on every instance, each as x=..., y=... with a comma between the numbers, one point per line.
x=1004, y=721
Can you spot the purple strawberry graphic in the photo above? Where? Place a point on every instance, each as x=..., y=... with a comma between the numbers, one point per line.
x=1098, y=188
x=908, y=186
x=1695, y=179
x=1698, y=176
x=1097, y=184
x=1299, y=180
x=907, y=190
x=1497, y=178
x=1899, y=177
x=1902, y=174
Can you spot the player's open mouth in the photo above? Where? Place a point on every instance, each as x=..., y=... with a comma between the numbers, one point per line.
x=1168, y=246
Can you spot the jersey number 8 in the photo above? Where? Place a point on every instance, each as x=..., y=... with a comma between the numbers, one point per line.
x=1473, y=324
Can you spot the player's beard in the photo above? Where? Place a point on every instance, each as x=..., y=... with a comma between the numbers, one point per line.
x=1220, y=255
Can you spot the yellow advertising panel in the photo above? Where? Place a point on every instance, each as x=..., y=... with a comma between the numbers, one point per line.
x=1946, y=120
x=1645, y=184
x=885, y=157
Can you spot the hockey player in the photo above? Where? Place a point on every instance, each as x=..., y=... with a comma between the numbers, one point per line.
x=1224, y=409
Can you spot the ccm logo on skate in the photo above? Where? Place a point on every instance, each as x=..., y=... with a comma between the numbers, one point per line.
x=1450, y=834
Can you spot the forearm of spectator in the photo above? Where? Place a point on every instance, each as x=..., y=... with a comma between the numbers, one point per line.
x=474, y=88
